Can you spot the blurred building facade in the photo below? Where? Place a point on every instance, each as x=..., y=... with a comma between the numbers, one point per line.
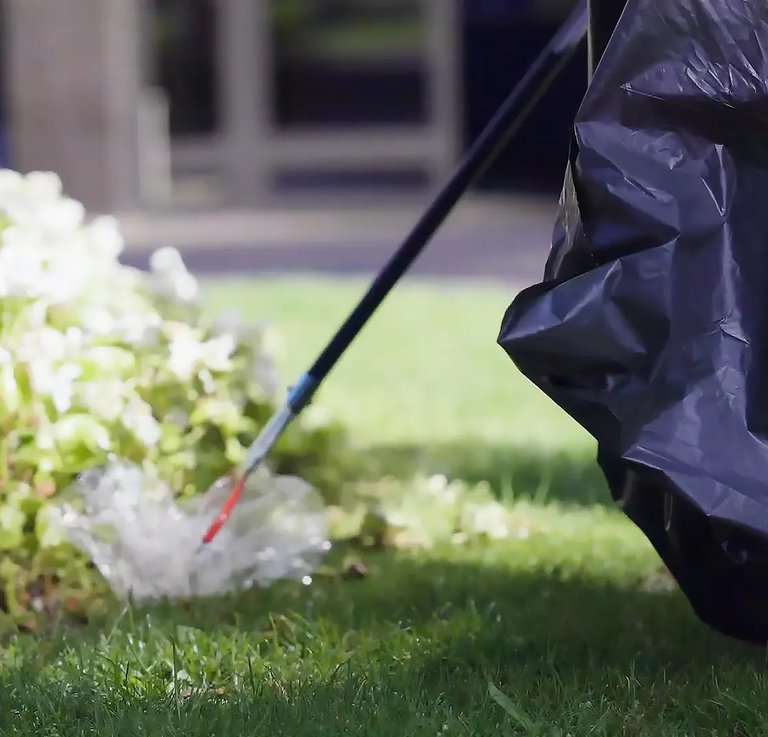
x=149, y=103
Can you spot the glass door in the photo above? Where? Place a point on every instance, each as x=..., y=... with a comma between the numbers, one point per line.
x=266, y=93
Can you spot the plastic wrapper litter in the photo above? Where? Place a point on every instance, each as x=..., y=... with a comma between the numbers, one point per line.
x=650, y=325
x=146, y=544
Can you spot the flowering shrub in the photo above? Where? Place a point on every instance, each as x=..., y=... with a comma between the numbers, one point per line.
x=99, y=360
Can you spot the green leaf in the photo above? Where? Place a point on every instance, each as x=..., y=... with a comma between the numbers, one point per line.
x=171, y=438
x=184, y=459
x=29, y=456
x=12, y=521
x=24, y=383
x=81, y=459
x=220, y=412
x=48, y=527
x=10, y=393
x=515, y=712
x=80, y=430
x=234, y=451
x=108, y=360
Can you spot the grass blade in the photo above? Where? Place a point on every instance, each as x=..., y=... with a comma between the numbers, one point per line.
x=515, y=712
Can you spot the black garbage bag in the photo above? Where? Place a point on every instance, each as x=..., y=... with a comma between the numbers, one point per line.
x=650, y=326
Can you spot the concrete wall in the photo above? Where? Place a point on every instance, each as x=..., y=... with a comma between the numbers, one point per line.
x=72, y=85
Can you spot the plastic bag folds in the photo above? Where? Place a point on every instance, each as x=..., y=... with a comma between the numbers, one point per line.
x=650, y=325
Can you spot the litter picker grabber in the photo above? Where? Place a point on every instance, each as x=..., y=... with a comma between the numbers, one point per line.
x=511, y=115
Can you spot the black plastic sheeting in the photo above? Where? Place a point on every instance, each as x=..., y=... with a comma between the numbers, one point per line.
x=650, y=326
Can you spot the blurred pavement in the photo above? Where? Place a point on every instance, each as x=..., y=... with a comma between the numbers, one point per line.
x=503, y=238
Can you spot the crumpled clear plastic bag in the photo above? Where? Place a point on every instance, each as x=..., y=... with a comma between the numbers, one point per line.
x=650, y=325
x=146, y=544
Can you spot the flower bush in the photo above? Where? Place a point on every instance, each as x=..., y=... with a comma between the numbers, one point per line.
x=99, y=360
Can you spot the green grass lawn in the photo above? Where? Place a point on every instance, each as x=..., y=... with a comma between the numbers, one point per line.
x=569, y=618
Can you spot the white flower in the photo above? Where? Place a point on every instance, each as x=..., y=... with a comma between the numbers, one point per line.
x=98, y=320
x=487, y=519
x=44, y=438
x=56, y=383
x=49, y=520
x=46, y=249
x=63, y=216
x=104, y=235
x=170, y=275
x=35, y=202
x=206, y=379
x=10, y=181
x=21, y=266
x=73, y=341
x=138, y=329
x=138, y=418
x=104, y=399
x=63, y=387
x=36, y=315
x=185, y=351
x=32, y=268
x=46, y=342
x=437, y=484
x=216, y=353
x=64, y=279
x=189, y=354
x=182, y=286
x=23, y=195
x=166, y=260
x=42, y=187
x=88, y=331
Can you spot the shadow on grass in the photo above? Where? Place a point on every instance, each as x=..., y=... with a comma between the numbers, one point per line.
x=588, y=622
x=511, y=471
x=412, y=648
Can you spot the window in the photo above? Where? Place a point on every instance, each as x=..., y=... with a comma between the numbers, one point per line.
x=348, y=63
